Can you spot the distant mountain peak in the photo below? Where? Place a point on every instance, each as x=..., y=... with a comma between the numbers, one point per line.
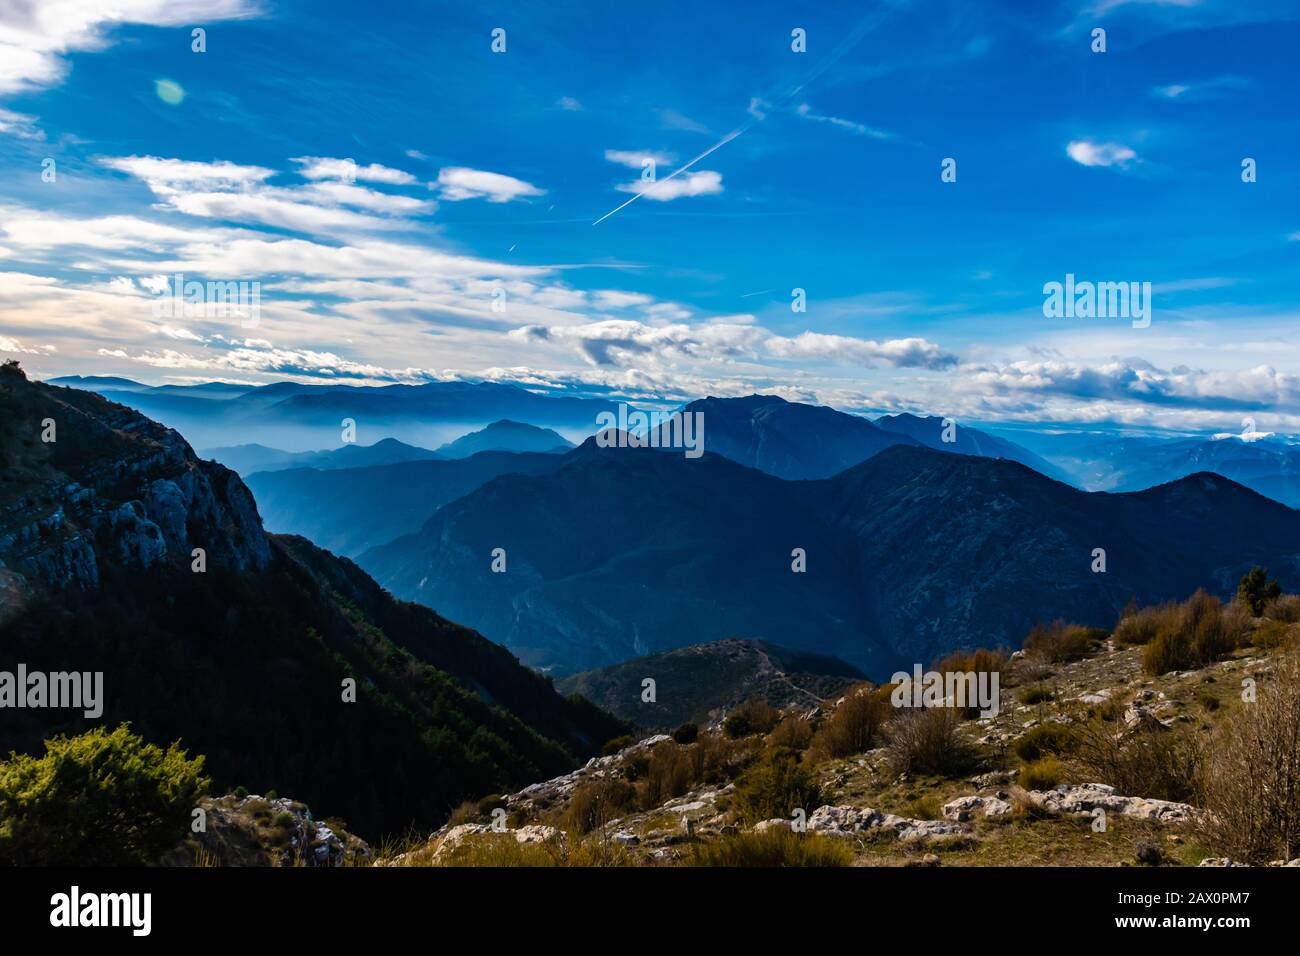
x=506, y=435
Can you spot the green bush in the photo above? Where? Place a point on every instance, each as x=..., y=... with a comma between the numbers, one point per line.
x=686, y=734
x=98, y=799
x=1036, y=694
x=1045, y=739
x=754, y=716
x=615, y=745
x=775, y=786
x=1041, y=774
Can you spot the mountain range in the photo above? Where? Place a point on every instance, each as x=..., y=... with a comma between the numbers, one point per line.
x=252, y=458
x=349, y=510
x=122, y=552
x=622, y=552
x=300, y=417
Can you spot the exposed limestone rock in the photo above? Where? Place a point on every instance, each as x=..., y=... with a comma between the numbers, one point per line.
x=963, y=808
x=1086, y=797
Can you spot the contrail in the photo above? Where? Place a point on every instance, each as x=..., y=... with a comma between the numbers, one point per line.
x=681, y=169
x=845, y=45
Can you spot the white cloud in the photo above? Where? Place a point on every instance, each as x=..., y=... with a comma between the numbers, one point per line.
x=223, y=190
x=159, y=173
x=621, y=342
x=37, y=36
x=671, y=119
x=634, y=158
x=458, y=182
x=11, y=345
x=19, y=125
x=569, y=103
x=347, y=170
x=901, y=353
x=1088, y=153
x=1200, y=90
x=33, y=230
x=704, y=182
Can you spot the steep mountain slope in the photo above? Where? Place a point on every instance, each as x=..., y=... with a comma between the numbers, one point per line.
x=245, y=661
x=958, y=546
x=624, y=552
x=348, y=510
x=789, y=439
x=250, y=459
x=506, y=435
x=928, y=430
x=701, y=682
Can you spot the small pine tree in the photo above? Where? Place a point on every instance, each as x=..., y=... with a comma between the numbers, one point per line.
x=1255, y=590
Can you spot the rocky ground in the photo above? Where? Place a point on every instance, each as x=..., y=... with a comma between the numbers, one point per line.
x=984, y=818
x=252, y=830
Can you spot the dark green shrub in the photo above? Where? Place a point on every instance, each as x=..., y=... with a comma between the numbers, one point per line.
x=775, y=786
x=1036, y=694
x=615, y=745
x=686, y=734
x=1045, y=739
x=754, y=716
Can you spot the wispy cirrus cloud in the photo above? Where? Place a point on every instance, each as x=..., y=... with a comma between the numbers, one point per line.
x=227, y=191
x=805, y=111
x=1200, y=89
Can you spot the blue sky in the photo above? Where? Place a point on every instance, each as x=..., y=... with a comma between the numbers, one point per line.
x=387, y=178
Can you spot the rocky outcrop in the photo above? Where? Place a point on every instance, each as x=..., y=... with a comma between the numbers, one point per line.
x=1088, y=797
x=110, y=486
x=964, y=808
x=252, y=830
x=848, y=821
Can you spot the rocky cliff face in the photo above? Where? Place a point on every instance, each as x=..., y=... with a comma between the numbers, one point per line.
x=87, y=481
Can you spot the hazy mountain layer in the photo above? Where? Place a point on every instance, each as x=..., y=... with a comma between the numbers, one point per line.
x=625, y=552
